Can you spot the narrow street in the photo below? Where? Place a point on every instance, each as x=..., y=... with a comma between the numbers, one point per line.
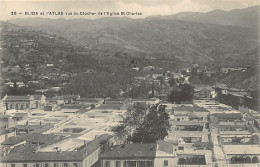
x=217, y=149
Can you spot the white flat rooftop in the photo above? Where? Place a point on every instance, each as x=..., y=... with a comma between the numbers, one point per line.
x=241, y=149
x=65, y=145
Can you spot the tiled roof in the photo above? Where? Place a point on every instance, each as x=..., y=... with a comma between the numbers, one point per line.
x=234, y=133
x=186, y=123
x=198, y=89
x=95, y=144
x=69, y=96
x=30, y=156
x=110, y=106
x=165, y=146
x=14, y=98
x=43, y=128
x=118, y=101
x=136, y=100
x=42, y=138
x=19, y=115
x=190, y=109
x=15, y=139
x=147, y=150
x=35, y=128
x=203, y=144
x=90, y=100
x=221, y=86
x=37, y=97
x=229, y=115
x=32, y=137
x=73, y=106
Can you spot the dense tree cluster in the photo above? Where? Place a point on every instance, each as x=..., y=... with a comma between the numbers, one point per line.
x=144, y=125
x=180, y=92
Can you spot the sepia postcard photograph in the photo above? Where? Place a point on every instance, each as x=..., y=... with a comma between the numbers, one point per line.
x=129, y=83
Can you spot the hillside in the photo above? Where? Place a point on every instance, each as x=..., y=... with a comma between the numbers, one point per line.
x=218, y=36
x=247, y=79
x=215, y=39
x=248, y=17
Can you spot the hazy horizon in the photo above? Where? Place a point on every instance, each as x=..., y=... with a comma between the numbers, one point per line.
x=147, y=8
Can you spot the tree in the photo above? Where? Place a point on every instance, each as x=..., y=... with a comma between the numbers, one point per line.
x=172, y=82
x=131, y=121
x=144, y=126
x=183, y=92
x=154, y=127
x=92, y=106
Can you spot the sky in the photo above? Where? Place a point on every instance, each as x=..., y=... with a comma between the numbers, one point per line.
x=145, y=7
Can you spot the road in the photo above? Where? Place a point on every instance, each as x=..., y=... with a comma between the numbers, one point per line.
x=220, y=156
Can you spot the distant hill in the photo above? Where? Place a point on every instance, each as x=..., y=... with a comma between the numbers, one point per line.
x=248, y=17
x=214, y=39
x=217, y=36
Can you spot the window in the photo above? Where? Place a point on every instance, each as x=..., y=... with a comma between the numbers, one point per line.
x=46, y=165
x=107, y=164
x=165, y=163
x=149, y=163
x=178, y=119
x=37, y=165
x=181, y=148
x=75, y=164
x=65, y=165
x=24, y=165
x=12, y=165
x=118, y=163
x=56, y=165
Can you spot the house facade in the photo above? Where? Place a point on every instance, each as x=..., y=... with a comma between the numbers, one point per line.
x=18, y=102
x=205, y=93
x=40, y=100
x=157, y=154
x=85, y=156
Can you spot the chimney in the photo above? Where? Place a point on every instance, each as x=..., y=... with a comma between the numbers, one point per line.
x=37, y=149
x=14, y=132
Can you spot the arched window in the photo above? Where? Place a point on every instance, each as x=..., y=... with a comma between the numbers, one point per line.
x=233, y=160
x=255, y=159
x=247, y=159
x=181, y=161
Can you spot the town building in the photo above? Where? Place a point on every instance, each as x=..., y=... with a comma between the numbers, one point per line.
x=86, y=155
x=242, y=154
x=6, y=122
x=228, y=117
x=40, y=100
x=18, y=102
x=205, y=93
x=20, y=116
x=157, y=154
x=189, y=113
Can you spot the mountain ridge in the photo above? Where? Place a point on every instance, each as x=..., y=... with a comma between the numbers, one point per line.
x=205, y=37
